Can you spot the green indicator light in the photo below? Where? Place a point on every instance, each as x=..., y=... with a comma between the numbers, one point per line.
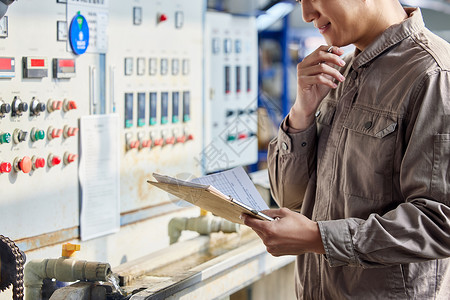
x=231, y=138
x=5, y=138
x=164, y=120
x=152, y=121
x=39, y=135
x=141, y=122
x=128, y=124
x=174, y=119
x=186, y=118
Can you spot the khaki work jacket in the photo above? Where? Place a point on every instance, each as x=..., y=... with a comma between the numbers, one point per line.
x=374, y=171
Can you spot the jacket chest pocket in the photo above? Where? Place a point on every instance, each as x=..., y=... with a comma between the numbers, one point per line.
x=368, y=154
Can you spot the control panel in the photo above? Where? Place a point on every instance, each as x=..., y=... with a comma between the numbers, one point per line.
x=231, y=89
x=44, y=90
x=154, y=77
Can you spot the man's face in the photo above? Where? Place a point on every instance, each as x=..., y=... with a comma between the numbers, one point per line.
x=341, y=22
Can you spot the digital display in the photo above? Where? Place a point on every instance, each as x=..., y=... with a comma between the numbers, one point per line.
x=128, y=110
x=227, y=80
x=141, y=109
x=164, y=107
x=186, y=106
x=238, y=79
x=249, y=79
x=175, y=107
x=153, y=107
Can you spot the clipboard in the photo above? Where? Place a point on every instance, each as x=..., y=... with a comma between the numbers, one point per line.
x=208, y=198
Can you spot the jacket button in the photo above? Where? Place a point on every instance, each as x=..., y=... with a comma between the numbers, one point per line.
x=284, y=146
x=354, y=75
x=317, y=113
x=368, y=124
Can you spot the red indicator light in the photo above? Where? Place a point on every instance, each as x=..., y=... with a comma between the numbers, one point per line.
x=56, y=160
x=5, y=64
x=37, y=62
x=162, y=18
x=39, y=163
x=5, y=167
x=64, y=63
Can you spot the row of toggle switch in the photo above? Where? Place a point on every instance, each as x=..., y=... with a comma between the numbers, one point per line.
x=36, y=107
x=36, y=134
x=27, y=164
x=143, y=142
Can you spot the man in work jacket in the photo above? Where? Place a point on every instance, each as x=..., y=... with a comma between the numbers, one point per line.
x=364, y=154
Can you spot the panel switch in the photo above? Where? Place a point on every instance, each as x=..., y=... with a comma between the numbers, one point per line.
x=18, y=107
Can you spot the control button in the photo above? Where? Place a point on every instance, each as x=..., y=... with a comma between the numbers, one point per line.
x=170, y=140
x=231, y=138
x=70, y=158
x=19, y=136
x=130, y=142
x=18, y=107
x=133, y=145
x=181, y=139
x=159, y=142
x=5, y=167
x=53, y=133
x=53, y=160
x=5, y=138
x=190, y=137
x=37, y=162
x=24, y=164
x=70, y=131
x=69, y=105
x=146, y=143
x=36, y=107
x=37, y=134
x=242, y=136
x=143, y=142
x=5, y=108
x=53, y=105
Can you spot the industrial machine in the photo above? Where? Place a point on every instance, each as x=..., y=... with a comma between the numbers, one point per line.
x=142, y=64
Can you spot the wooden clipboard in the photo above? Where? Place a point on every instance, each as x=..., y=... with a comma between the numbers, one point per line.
x=208, y=198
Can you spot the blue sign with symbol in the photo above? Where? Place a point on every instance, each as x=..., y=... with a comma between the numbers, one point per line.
x=79, y=34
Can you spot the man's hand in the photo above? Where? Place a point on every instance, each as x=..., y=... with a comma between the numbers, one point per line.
x=290, y=234
x=316, y=76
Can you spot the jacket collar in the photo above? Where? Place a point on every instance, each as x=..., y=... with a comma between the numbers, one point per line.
x=390, y=37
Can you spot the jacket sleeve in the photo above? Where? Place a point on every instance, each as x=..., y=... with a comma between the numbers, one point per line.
x=291, y=160
x=418, y=229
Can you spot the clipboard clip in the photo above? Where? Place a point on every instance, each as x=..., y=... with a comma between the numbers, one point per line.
x=250, y=209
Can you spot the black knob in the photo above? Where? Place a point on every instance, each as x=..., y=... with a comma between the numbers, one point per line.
x=22, y=136
x=41, y=107
x=23, y=107
x=5, y=108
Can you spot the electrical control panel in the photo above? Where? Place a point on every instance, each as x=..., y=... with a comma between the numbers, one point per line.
x=231, y=90
x=44, y=90
x=150, y=74
x=154, y=74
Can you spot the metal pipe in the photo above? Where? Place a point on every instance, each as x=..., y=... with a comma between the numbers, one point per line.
x=203, y=225
x=62, y=269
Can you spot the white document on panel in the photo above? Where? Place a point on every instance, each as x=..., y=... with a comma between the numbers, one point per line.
x=99, y=175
